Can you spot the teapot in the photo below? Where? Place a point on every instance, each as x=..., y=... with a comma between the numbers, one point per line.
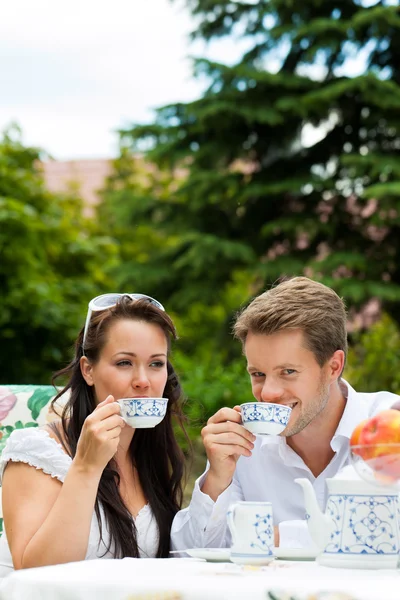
x=360, y=526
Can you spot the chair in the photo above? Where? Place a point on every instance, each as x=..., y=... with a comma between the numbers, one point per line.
x=23, y=406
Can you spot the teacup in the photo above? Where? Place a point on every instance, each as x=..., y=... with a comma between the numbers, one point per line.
x=142, y=413
x=265, y=418
x=252, y=529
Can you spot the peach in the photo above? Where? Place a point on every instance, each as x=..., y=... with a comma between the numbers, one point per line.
x=379, y=438
x=365, y=453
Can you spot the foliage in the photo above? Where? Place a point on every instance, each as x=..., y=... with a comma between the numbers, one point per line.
x=232, y=195
x=53, y=261
x=374, y=357
x=288, y=163
x=251, y=197
x=162, y=254
x=210, y=385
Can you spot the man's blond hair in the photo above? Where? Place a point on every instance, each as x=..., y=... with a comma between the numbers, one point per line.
x=298, y=303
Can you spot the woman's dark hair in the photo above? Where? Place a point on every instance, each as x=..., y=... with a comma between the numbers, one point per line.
x=154, y=452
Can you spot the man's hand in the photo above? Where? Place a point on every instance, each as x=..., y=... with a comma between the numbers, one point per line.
x=276, y=536
x=224, y=439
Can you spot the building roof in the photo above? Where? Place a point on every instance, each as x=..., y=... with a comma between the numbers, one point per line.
x=85, y=177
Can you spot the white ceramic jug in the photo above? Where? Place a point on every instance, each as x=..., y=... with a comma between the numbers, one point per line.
x=252, y=530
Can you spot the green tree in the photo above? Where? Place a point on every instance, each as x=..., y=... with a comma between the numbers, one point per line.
x=52, y=261
x=162, y=253
x=257, y=198
x=374, y=357
x=238, y=192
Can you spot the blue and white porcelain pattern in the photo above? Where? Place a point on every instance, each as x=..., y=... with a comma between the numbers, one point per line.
x=364, y=533
x=145, y=407
x=263, y=533
x=143, y=412
x=252, y=530
x=265, y=418
x=360, y=526
x=363, y=524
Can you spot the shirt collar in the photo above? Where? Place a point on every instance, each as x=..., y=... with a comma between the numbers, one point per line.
x=272, y=440
x=354, y=412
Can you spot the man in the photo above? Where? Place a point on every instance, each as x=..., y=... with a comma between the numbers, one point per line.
x=295, y=342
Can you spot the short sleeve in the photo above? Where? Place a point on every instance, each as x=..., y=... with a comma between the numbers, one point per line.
x=35, y=448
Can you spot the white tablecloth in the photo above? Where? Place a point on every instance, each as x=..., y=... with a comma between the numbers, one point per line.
x=190, y=579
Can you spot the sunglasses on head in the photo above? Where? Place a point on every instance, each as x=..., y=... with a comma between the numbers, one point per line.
x=106, y=301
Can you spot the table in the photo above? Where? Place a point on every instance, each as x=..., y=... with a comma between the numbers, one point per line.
x=191, y=579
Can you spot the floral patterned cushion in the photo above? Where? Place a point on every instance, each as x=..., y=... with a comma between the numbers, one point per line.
x=24, y=406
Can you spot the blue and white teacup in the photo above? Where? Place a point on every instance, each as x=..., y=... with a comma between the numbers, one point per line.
x=265, y=418
x=141, y=413
x=252, y=528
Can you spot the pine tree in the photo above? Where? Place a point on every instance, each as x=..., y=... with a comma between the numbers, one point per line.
x=260, y=199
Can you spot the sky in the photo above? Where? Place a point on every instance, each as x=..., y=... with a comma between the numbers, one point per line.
x=74, y=71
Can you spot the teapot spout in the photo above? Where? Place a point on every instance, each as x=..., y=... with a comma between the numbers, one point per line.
x=320, y=526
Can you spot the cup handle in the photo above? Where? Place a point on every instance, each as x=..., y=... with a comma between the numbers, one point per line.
x=120, y=413
x=231, y=524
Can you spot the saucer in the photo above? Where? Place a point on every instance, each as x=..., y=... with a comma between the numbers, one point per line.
x=252, y=559
x=209, y=554
x=296, y=553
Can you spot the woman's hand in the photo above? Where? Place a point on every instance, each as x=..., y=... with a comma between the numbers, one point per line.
x=99, y=438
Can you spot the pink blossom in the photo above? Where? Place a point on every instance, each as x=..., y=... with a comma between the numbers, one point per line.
x=7, y=402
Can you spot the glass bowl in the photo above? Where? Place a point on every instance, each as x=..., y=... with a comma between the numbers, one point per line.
x=378, y=464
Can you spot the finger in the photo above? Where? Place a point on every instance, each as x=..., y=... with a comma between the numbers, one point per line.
x=113, y=421
x=228, y=450
x=238, y=409
x=225, y=414
x=109, y=434
x=105, y=411
x=229, y=439
x=106, y=401
x=114, y=433
x=215, y=428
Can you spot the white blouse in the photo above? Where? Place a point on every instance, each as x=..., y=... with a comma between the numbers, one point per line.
x=36, y=448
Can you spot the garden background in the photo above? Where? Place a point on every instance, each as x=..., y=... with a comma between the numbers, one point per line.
x=286, y=165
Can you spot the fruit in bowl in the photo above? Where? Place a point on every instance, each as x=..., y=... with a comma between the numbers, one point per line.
x=375, y=447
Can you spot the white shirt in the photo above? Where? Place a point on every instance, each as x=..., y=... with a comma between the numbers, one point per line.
x=36, y=448
x=268, y=475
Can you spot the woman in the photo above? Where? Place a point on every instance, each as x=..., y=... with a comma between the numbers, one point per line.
x=91, y=486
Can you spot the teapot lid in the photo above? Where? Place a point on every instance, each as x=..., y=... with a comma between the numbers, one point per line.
x=348, y=477
x=347, y=473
